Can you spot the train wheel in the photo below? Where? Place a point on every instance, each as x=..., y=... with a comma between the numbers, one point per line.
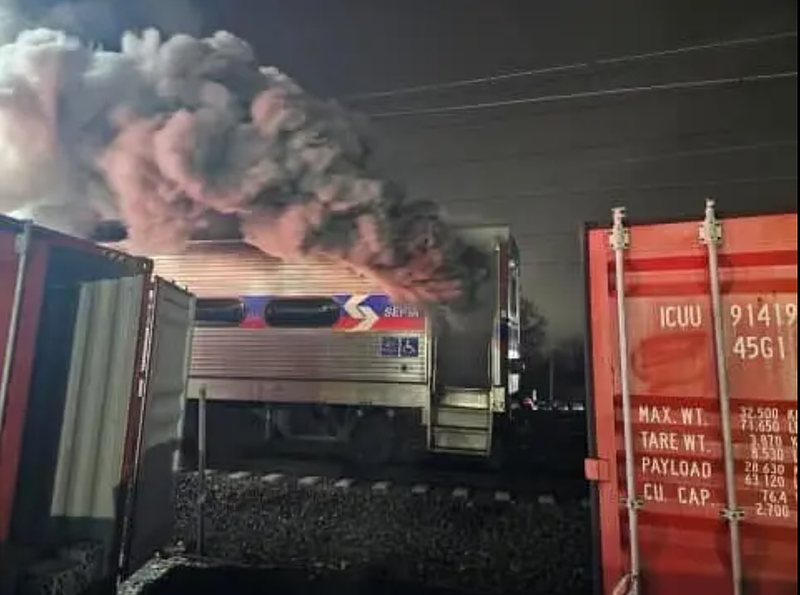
x=372, y=441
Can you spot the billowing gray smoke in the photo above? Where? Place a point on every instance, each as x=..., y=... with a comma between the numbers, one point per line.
x=166, y=134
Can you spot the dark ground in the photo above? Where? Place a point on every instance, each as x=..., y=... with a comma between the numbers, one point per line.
x=289, y=538
x=251, y=581
x=362, y=540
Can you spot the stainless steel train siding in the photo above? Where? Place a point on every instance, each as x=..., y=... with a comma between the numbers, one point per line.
x=291, y=365
x=273, y=335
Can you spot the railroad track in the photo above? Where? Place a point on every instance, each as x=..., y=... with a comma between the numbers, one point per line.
x=454, y=485
x=473, y=532
x=461, y=479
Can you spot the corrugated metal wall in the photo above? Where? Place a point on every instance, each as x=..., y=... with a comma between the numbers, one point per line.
x=92, y=441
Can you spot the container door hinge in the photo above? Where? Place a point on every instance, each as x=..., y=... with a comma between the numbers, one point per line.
x=732, y=515
x=711, y=228
x=632, y=503
x=23, y=240
x=619, y=237
x=596, y=470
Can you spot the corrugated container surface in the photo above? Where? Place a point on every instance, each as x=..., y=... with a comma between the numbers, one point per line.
x=93, y=431
x=680, y=475
x=73, y=405
x=50, y=264
x=56, y=268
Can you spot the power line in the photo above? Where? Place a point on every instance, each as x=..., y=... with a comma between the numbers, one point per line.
x=402, y=128
x=490, y=118
x=597, y=94
x=559, y=69
x=620, y=189
x=543, y=156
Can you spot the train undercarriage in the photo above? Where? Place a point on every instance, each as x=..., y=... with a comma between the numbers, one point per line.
x=365, y=437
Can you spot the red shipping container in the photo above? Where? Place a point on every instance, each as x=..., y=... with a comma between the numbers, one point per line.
x=26, y=258
x=21, y=296
x=707, y=323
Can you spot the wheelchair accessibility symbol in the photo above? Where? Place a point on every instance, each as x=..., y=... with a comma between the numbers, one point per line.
x=409, y=347
x=399, y=347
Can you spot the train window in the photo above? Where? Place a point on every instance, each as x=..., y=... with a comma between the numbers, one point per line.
x=219, y=312
x=302, y=313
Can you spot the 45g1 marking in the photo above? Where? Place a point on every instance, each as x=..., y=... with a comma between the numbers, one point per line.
x=749, y=347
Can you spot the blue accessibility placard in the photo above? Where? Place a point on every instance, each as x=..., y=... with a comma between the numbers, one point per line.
x=390, y=347
x=399, y=347
x=409, y=347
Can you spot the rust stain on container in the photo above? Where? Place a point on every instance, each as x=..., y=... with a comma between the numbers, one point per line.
x=680, y=475
x=664, y=361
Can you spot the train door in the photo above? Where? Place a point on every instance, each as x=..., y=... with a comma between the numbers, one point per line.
x=467, y=361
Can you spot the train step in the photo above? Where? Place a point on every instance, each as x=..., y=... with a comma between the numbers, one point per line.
x=468, y=398
x=461, y=420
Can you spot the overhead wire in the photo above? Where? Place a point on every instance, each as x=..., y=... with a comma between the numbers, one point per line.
x=688, y=85
x=576, y=66
x=707, y=151
x=489, y=119
x=618, y=188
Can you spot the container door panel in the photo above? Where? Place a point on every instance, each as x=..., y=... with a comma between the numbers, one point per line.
x=684, y=534
x=19, y=358
x=92, y=442
x=168, y=354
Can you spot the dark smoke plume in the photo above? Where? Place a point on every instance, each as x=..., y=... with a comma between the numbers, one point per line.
x=169, y=134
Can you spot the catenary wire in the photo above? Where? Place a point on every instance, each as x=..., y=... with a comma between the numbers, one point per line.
x=490, y=118
x=577, y=66
x=595, y=94
x=543, y=155
x=618, y=188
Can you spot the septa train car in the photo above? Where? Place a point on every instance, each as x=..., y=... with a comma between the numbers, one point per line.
x=313, y=351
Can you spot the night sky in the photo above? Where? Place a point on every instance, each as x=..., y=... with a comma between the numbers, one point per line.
x=547, y=165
